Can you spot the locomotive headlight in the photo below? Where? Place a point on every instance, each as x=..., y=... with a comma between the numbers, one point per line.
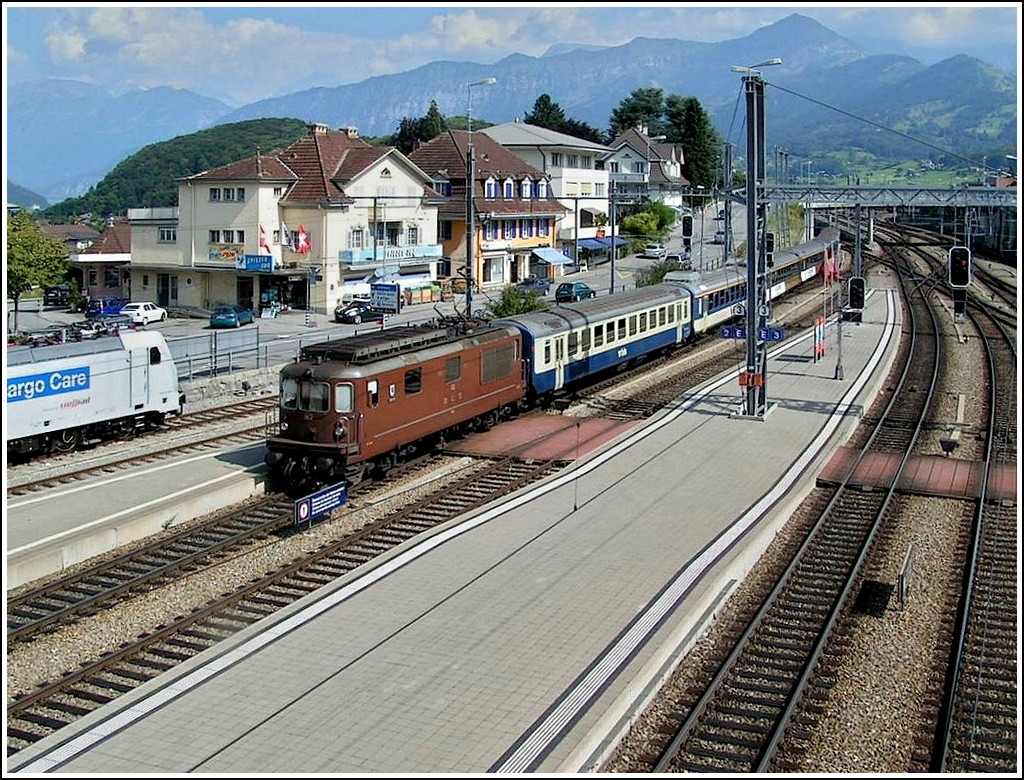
x=339, y=432
x=284, y=425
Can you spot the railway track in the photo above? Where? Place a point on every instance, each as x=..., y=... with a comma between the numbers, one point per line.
x=978, y=726
x=248, y=420
x=32, y=716
x=758, y=708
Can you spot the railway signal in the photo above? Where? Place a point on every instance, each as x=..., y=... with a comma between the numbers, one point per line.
x=687, y=226
x=856, y=296
x=959, y=267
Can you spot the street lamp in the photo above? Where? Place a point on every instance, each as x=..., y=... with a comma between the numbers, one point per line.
x=470, y=176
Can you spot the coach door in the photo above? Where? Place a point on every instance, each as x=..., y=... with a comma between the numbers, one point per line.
x=559, y=362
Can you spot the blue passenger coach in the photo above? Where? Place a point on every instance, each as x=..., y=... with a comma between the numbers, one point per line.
x=572, y=342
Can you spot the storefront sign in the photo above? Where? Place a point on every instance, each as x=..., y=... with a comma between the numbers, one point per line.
x=255, y=263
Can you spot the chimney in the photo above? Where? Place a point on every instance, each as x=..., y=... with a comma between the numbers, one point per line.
x=318, y=129
x=351, y=132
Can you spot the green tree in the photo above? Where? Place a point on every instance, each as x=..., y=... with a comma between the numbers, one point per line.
x=413, y=132
x=546, y=113
x=691, y=127
x=643, y=106
x=655, y=273
x=33, y=258
x=578, y=129
x=513, y=301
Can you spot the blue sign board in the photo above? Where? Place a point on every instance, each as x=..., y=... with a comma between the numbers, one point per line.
x=771, y=334
x=67, y=380
x=320, y=503
x=385, y=297
x=254, y=263
x=733, y=332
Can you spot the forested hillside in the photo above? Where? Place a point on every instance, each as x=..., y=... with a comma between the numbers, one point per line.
x=149, y=178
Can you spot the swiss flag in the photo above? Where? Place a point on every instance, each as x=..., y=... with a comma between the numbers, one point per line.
x=303, y=243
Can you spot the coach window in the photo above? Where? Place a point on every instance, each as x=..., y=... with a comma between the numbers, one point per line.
x=343, y=398
x=622, y=328
x=599, y=335
x=547, y=353
x=610, y=331
x=643, y=321
x=413, y=381
x=585, y=341
x=573, y=343
x=154, y=355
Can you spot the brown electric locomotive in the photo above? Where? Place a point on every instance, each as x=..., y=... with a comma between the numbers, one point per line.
x=352, y=406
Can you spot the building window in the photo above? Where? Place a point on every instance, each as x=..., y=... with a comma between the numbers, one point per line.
x=543, y=188
x=214, y=236
x=586, y=188
x=412, y=235
x=240, y=194
x=145, y=280
x=229, y=193
x=446, y=230
x=573, y=161
x=571, y=189
x=356, y=238
x=278, y=192
x=527, y=228
x=613, y=167
x=491, y=189
x=586, y=162
x=229, y=236
x=510, y=228
x=111, y=277
x=543, y=228
x=92, y=277
x=386, y=173
x=556, y=159
x=599, y=190
x=490, y=231
x=167, y=235
x=525, y=188
x=510, y=189
x=443, y=188
x=214, y=193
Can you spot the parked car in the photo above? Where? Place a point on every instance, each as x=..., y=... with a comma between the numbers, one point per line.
x=573, y=291
x=682, y=261
x=58, y=295
x=356, y=312
x=656, y=251
x=231, y=316
x=535, y=284
x=719, y=237
x=104, y=307
x=144, y=312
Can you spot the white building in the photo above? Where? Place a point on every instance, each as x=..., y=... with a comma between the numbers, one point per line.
x=578, y=180
x=303, y=228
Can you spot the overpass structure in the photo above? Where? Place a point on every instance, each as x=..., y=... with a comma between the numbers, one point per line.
x=816, y=196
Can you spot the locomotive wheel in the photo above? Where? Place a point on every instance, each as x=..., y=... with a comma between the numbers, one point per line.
x=65, y=441
x=124, y=429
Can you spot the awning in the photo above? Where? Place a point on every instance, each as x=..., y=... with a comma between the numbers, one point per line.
x=607, y=241
x=593, y=244
x=552, y=256
x=591, y=210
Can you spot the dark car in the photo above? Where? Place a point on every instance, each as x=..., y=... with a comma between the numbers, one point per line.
x=573, y=291
x=58, y=295
x=535, y=284
x=231, y=316
x=356, y=312
x=104, y=307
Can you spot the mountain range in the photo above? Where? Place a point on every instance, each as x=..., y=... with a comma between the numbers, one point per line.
x=827, y=95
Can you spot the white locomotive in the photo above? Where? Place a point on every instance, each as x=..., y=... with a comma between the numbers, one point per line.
x=62, y=396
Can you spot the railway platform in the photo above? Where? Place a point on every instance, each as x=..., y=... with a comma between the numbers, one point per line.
x=523, y=636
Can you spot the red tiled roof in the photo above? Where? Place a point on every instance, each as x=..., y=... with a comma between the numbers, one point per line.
x=256, y=168
x=446, y=154
x=115, y=240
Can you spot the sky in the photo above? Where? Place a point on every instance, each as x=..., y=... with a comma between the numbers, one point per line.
x=240, y=54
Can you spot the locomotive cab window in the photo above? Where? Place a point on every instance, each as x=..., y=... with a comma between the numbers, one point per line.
x=314, y=396
x=289, y=393
x=373, y=390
